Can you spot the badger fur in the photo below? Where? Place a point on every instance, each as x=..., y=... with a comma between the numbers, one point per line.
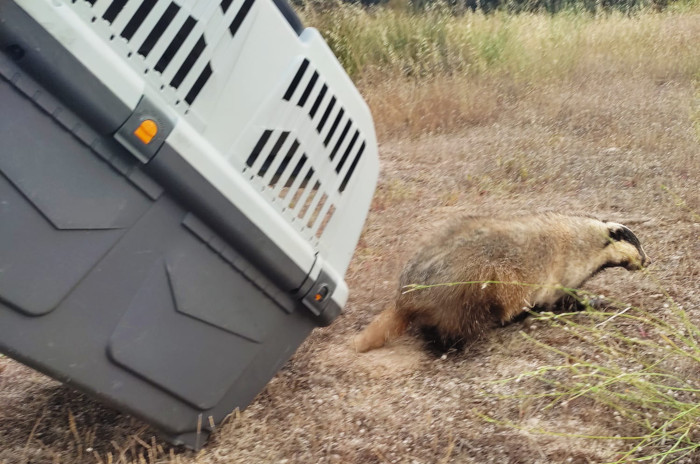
x=514, y=263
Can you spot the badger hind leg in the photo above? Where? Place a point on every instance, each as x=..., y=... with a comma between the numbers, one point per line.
x=439, y=343
x=386, y=327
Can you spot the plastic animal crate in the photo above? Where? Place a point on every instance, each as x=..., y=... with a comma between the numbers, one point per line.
x=182, y=186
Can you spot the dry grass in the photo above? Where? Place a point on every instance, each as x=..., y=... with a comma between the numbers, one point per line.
x=435, y=71
x=611, y=131
x=526, y=47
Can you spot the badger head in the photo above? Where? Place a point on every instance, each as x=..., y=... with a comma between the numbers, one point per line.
x=624, y=248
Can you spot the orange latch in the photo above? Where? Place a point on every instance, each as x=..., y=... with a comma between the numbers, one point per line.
x=146, y=131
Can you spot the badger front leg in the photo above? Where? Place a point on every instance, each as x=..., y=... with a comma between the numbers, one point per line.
x=579, y=302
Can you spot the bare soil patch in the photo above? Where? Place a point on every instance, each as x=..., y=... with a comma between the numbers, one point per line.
x=606, y=147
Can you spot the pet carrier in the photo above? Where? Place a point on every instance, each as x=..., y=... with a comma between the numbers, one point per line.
x=182, y=186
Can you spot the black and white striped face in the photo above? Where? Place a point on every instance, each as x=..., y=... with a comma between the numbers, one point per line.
x=627, y=250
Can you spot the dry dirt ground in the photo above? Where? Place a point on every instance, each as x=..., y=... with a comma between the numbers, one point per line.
x=605, y=148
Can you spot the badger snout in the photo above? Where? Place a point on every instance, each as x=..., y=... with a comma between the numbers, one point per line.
x=638, y=264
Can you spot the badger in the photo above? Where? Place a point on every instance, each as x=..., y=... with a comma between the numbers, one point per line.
x=483, y=270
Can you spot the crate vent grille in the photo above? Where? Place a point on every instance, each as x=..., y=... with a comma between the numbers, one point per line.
x=341, y=136
x=170, y=39
x=305, y=188
x=282, y=168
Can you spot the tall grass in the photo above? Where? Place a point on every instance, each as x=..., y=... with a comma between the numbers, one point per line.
x=436, y=70
x=530, y=46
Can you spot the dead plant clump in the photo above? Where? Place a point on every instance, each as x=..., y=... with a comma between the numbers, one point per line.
x=587, y=121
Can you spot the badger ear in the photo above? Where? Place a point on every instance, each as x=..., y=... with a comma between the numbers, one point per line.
x=620, y=233
x=616, y=233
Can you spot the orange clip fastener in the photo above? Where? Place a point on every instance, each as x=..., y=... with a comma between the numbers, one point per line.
x=146, y=131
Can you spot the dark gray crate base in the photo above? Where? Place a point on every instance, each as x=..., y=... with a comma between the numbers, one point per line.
x=112, y=286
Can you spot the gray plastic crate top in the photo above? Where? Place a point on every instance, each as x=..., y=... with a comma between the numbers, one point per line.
x=182, y=186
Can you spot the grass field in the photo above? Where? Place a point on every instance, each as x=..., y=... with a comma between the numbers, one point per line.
x=477, y=114
x=434, y=71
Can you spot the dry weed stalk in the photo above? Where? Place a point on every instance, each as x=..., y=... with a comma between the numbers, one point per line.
x=643, y=367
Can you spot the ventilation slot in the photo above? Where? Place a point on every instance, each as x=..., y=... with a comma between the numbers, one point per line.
x=305, y=203
x=113, y=11
x=136, y=21
x=317, y=103
x=299, y=189
x=295, y=82
x=189, y=61
x=271, y=157
x=317, y=211
x=325, y=221
x=323, y=120
x=225, y=4
x=309, y=88
x=293, y=176
x=199, y=83
x=347, y=152
x=158, y=30
x=333, y=128
x=352, y=168
x=180, y=37
x=240, y=16
x=284, y=164
x=258, y=148
x=340, y=140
